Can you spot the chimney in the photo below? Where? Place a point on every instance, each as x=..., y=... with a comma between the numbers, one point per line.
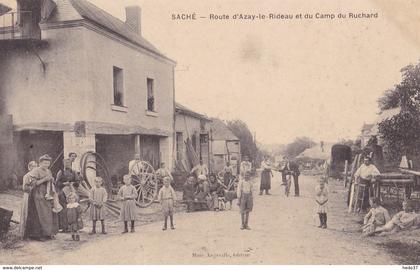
x=133, y=18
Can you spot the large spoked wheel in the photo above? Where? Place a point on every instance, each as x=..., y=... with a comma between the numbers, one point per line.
x=145, y=181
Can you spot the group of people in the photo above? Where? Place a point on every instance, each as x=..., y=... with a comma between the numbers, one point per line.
x=287, y=168
x=378, y=220
x=49, y=203
x=203, y=190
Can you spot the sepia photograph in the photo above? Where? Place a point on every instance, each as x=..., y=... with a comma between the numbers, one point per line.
x=243, y=132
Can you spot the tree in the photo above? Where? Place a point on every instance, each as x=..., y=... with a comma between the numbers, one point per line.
x=401, y=133
x=299, y=145
x=248, y=145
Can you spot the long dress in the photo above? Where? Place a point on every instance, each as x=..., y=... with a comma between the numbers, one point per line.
x=265, y=177
x=128, y=208
x=99, y=196
x=62, y=189
x=27, y=194
x=321, y=197
x=43, y=221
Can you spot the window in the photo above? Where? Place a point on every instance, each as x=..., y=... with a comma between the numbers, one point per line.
x=118, y=87
x=150, y=95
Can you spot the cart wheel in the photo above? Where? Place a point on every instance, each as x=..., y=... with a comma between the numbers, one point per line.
x=145, y=181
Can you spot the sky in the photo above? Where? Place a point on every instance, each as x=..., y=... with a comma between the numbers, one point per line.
x=284, y=78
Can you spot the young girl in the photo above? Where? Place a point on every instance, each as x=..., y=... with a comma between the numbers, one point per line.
x=74, y=216
x=167, y=198
x=245, y=200
x=98, y=198
x=321, y=198
x=128, y=195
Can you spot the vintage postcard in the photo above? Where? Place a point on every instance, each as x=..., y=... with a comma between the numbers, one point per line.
x=140, y=132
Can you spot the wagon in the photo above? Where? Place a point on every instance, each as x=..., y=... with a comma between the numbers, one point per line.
x=339, y=161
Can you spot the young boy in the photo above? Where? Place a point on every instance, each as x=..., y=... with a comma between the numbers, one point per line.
x=245, y=200
x=98, y=198
x=377, y=216
x=167, y=198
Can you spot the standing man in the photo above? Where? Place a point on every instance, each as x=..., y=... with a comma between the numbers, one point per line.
x=246, y=166
x=200, y=169
x=292, y=168
x=265, y=176
x=366, y=175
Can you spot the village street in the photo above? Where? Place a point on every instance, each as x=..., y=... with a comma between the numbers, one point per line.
x=284, y=231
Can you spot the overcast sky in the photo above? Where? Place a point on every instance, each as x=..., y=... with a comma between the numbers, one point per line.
x=316, y=78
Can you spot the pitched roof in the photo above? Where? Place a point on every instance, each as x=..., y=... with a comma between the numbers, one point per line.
x=184, y=110
x=220, y=131
x=98, y=16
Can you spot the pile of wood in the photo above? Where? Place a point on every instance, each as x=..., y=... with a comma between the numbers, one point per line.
x=192, y=159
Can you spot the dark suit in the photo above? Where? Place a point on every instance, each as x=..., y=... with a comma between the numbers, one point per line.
x=292, y=168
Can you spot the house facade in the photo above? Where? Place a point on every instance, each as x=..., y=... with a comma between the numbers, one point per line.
x=196, y=127
x=87, y=82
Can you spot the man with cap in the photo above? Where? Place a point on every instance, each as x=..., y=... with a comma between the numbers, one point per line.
x=366, y=175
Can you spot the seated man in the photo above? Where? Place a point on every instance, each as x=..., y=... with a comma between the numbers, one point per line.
x=377, y=216
x=189, y=190
x=403, y=220
x=201, y=196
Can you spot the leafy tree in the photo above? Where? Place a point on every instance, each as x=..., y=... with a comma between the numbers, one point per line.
x=248, y=145
x=401, y=133
x=299, y=145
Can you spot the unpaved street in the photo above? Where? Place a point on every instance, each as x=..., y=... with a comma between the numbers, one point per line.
x=283, y=232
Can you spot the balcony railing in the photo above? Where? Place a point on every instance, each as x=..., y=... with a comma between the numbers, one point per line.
x=19, y=25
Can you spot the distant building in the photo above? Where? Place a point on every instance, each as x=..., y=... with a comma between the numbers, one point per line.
x=196, y=127
x=225, y=146
x=75, y=79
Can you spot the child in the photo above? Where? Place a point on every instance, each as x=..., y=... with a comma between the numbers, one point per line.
x=245, y=200
x=74, y=216
x=167, y=198
x=377, y=216
x=128, y=195
x=321, y=198
x=188, y=193
x=98, y=198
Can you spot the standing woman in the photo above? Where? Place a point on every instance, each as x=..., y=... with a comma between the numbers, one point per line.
x=27, y=187
x=42, y=223
x=265, y=176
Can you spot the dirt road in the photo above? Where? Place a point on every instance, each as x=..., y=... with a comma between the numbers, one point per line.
x=283, y=232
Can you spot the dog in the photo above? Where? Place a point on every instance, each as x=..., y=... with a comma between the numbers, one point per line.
x=228, y=197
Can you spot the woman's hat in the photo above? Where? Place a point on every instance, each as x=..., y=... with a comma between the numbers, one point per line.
x=45, y=157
